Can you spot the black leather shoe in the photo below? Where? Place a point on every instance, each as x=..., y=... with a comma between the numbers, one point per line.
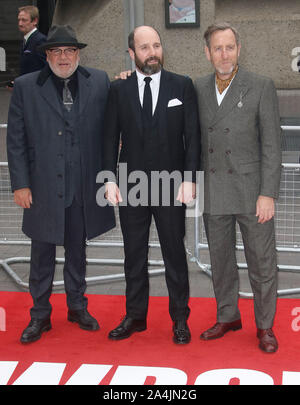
x=182, y=334
x=126, y=328
x=35, y=329
x=83, y=318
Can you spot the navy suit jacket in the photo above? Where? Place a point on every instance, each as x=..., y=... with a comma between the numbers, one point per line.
x=31, y=59
x=178, y=126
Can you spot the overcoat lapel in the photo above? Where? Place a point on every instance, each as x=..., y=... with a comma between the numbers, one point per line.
x=84, y=90
x=49, y=93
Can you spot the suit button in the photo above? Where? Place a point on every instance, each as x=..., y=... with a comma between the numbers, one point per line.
x=210, y=150
x=210, y=129
x=230, y=171
x=59, y=176
x=213, y=170
x=59, y=133
x=60, y=196
x=228, y=152
x=226, y=130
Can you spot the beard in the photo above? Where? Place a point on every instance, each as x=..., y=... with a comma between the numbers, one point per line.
x=149, y=69
x=227, y=72
x=61, y=73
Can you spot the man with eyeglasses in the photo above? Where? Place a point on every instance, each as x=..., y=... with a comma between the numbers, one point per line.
x=53, y=143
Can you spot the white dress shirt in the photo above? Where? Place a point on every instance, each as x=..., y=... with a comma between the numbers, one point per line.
x=221, y=96
x=154, y=86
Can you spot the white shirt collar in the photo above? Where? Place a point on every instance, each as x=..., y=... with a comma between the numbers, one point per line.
x=29, y=33
x=140, y=76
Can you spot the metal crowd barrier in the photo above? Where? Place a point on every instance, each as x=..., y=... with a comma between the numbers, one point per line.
x=11, y=234
x=287, y=225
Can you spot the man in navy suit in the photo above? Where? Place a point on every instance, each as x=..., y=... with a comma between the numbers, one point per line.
x=155, y=111
x=31, y=59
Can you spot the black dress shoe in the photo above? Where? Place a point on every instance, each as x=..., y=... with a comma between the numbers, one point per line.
x=126, y=328
x=35, y=329
x=83, y=318
x=182, y=334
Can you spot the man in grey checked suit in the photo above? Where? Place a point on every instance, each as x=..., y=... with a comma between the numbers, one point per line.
x=241, y=157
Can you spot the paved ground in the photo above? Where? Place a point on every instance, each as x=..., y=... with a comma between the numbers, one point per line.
x=200, y=282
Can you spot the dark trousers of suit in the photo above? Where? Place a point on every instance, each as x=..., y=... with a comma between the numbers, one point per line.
x=260, y=254
x=42, y=267
x=170, y=223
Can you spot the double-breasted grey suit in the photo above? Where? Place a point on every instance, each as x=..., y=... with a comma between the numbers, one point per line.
x=241, y=159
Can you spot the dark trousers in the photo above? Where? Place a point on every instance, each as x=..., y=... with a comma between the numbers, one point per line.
x=170, y=223
x=260, y=253
x=42, y=266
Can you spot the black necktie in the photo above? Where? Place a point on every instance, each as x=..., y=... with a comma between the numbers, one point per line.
x=147, y=101
x=67, y=95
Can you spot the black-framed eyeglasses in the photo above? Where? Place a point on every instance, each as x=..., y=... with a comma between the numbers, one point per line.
x=59, y=51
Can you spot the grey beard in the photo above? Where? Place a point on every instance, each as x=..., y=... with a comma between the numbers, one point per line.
x=151, y=69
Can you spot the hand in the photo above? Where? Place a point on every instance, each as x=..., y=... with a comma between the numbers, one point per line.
x=186, y=192
x=123, y=75
x=10, y=85
x=23, y=197
x=265, y=209
x=112, y=193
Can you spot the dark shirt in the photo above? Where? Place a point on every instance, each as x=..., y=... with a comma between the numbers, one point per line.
x=59, y=84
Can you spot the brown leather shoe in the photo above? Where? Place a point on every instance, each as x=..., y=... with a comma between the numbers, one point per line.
x=267, y=340
x=219, y=329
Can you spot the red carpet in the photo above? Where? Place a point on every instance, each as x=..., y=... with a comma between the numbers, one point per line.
x=69, y=355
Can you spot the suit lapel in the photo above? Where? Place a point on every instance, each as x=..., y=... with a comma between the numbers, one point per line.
x=234, y=95
x=134, y=99
x=29, y=40
x=162, y=101
x=163, y=95
x=210, y=95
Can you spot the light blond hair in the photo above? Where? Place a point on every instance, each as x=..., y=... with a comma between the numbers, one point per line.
x=32, y=11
